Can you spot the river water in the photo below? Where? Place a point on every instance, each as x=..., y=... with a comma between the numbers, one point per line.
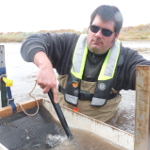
x=23, y=75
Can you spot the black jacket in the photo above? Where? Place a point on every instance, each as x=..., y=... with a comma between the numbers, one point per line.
x=60, y=48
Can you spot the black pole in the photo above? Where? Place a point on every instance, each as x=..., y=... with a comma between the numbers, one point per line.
x=3, y=93
x=60, y=115
x=3, y=71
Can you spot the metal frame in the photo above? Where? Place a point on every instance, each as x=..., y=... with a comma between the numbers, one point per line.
x=142, y=112
x=2, y=84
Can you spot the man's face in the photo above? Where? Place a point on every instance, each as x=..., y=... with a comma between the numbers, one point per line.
x=97, y=42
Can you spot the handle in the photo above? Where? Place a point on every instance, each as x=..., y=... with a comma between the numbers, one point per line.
x=60, y=115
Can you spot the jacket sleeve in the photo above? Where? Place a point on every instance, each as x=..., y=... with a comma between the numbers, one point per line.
x=126, y=74
x=58, y=47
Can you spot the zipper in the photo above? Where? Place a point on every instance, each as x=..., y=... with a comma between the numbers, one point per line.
x=94, y=60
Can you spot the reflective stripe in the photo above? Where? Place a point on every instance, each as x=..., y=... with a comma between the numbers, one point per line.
x=80, y=54
x=109, y=65
x=71, y=99
x=98, y=101
x=79, y=57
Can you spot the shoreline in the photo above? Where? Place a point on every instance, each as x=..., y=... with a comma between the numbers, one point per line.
x=20, y=37
x=126, y=40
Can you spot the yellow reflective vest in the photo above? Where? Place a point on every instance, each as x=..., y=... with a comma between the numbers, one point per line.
x=105, y=78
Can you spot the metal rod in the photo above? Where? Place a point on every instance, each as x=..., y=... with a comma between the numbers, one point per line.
x=142, y=113
x=60, y=115
x=2, y=84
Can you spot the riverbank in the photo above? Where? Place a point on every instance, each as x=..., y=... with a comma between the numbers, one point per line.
x=19, y=37
x=136, y=33
x=134, y=37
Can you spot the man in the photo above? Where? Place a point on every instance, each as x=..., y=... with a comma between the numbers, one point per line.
x=92, y=68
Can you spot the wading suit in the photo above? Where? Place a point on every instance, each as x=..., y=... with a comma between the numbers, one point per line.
x=87, y=81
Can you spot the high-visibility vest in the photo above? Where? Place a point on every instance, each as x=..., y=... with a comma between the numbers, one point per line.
x=105, y=78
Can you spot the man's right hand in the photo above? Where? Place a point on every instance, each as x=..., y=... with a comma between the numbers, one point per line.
x=46, y=77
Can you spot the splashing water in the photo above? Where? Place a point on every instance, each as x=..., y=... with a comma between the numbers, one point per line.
x=54, y=140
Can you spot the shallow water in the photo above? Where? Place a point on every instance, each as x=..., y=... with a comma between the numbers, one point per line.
x=24, y=74
x=82, y=140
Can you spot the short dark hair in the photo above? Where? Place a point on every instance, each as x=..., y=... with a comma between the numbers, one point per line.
x=109, y=13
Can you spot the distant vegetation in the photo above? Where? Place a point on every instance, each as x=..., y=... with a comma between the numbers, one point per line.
x=140, y=32
x=20, y=36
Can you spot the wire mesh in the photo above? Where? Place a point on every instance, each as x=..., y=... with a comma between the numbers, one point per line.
x=22, y=132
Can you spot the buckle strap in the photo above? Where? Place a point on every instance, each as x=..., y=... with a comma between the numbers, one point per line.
x=87, y=96
x=61, y=89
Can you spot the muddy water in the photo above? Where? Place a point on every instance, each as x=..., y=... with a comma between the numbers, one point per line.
x=24, y=74
x=84, y=140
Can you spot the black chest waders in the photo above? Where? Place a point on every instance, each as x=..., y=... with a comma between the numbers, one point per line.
x=105, y=78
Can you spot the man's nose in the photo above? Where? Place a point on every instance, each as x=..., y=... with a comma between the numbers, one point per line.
x=98, y=34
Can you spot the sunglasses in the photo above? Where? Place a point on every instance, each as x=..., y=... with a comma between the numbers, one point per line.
x=105, y=32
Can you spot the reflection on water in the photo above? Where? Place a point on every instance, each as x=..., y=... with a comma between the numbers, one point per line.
x=24, y=74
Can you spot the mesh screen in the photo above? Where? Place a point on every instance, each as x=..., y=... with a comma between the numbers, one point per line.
x=22, y=132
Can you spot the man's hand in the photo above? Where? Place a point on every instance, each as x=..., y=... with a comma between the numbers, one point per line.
x=46, y=77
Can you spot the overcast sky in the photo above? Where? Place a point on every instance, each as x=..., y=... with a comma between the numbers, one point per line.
x=35, y=15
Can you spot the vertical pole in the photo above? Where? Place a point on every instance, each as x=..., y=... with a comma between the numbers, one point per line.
x=2, y=85
x=142, y=131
